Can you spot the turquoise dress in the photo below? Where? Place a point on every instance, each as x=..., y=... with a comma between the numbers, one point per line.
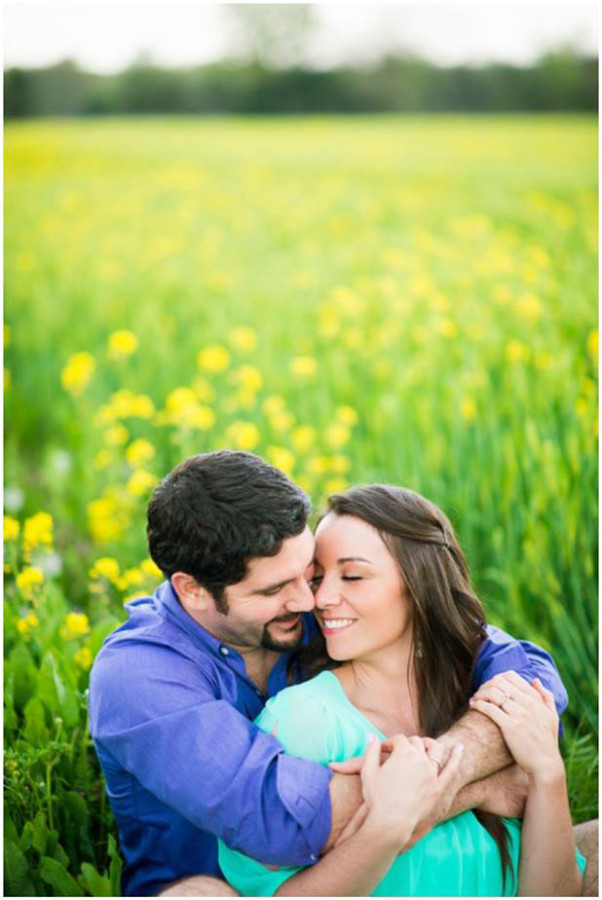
x=458, y=858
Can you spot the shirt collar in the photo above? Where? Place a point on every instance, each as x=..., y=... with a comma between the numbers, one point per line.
x=167, y=601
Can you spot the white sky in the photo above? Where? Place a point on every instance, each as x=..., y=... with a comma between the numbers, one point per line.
x=107, y=36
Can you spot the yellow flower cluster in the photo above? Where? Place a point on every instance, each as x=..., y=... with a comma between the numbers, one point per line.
x=243, y=435
x=141, y=482
x=124, y=404
x=139, y=452
x=37, y=532
x=29, y=579
x=182, y=408
x=78, y=372
x=83, y=658
x=243, y=339
x=122, y=344
x=106, y=567
x=76, y=625
x=303, y=366
x=27, y=623
x=214, y=358
x=107, y=517
x=11, y=529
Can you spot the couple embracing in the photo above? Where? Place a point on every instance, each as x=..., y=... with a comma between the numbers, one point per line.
x=324, y=715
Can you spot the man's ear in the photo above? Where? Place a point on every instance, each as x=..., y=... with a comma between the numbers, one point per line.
x=192, y=595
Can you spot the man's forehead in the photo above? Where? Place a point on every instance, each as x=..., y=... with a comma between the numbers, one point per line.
x=295, y=555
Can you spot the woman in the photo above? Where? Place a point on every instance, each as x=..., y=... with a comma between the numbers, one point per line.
x=401, y=629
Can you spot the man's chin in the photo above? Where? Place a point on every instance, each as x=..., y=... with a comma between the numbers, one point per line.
x=275, y=637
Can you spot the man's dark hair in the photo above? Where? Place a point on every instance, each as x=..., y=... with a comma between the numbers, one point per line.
x=217, y=511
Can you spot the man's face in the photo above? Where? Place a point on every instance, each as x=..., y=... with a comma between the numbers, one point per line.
x=264, y=609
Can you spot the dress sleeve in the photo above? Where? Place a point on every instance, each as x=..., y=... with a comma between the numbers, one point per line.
x=160, y=717
x=305, y=730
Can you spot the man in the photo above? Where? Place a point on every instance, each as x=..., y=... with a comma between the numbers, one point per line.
x=174, y=690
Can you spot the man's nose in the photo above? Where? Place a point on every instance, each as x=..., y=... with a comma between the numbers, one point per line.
x=301, y=599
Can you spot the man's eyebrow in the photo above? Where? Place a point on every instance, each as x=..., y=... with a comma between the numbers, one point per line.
x=272, y=587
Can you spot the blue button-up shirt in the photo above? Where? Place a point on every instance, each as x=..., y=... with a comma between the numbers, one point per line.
x=171, y=715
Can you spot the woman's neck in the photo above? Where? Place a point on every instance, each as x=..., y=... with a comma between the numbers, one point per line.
x=383, y=686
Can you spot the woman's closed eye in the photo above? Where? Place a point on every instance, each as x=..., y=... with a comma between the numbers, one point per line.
x=351, y=577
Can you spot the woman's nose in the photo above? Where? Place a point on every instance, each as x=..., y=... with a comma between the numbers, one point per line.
x=326, y=594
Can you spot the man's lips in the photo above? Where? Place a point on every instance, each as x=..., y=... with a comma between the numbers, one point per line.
x=287, y=622
x=335, y=626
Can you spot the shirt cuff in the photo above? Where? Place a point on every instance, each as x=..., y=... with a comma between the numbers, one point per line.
x=303, y=787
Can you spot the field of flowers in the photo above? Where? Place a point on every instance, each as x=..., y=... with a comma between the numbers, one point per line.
x=356, y=299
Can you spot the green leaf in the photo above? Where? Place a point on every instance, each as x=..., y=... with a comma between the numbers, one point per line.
x=25, y=674
x=17, y=881
x=10, y=829
x=40, y=833
x=59, y=854
x=26, y=837
x=35, y=730
x=62, y=883
x=115, y=869
x=57, y=694
x=97, y=885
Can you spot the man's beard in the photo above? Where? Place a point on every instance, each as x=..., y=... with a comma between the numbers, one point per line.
x=284, y=642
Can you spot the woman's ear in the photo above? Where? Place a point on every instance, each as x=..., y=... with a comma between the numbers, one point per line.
x=192, y=595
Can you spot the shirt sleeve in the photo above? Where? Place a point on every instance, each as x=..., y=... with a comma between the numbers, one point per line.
x=161, y=718
x=304, y=727
x=501, y=653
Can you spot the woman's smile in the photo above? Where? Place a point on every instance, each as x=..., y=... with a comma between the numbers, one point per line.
x=332, y=626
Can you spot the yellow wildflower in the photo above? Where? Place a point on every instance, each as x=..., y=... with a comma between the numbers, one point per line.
x=11, y=529
x=116, y=435
x=337, y=435
x=248, y=377
x=7, y=335
x=303, y=366
x=29, y=578
x=303, y=438
x=203, y=390
x=339, y=464
x=106, y=520
x=37, y=531
x=122, y=344
x=543, y=360
x=122, y=405
x=131, y=578
x=105, y=567
x=273, y=404
x=347, y=415
x=318, y=465
x=76, y=624
x=139, y=452
x=517, y=352
x=83, y=658
x=281, y=458
x=213, y=358
x=102, y=459
x=7, y=378
x=581, y=407
x=149, y=569
x=140, y=482
x=592, y=346
x=447, y=328
x=282, y=420
x=336, y=485
x=26, y=623
x=243, y=339
x=468, y=409
x=78, y=372
x=243, y=435
x=530, y=307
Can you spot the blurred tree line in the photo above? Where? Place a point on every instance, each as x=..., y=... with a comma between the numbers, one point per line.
x=558, y=81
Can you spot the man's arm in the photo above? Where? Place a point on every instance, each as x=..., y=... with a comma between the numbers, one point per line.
x=156, y=714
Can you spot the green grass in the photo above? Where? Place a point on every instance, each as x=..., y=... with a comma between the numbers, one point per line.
x=439, y=274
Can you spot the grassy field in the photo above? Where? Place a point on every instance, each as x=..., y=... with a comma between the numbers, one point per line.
x=356, y=299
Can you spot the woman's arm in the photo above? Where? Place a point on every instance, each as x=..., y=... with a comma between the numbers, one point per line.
x=408, y=780
x=527, y=718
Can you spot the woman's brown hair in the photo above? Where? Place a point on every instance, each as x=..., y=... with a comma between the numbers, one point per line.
x=448, y=619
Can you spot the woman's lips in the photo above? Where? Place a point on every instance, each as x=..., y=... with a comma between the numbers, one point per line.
x=331, y=627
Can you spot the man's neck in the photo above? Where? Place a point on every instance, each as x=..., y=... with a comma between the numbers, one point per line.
x=259, y=663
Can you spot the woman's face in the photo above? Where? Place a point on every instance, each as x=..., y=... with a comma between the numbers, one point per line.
x=361, y=600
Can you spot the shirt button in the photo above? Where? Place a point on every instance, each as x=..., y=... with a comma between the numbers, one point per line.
x=313, y=857
x=258, y=692
x=224, y=651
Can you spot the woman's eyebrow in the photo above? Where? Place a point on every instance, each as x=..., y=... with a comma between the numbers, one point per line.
x=345, y=559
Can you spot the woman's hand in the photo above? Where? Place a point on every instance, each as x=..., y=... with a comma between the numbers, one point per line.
x=406, y=787
x=526, y=715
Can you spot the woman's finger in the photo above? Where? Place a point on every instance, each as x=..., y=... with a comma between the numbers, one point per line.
x=371, y=758
x=418, y=743
x=351, y=766
x=546, y=696
x=492, y=711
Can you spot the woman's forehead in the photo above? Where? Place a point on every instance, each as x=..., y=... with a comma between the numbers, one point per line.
x=344, y=532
